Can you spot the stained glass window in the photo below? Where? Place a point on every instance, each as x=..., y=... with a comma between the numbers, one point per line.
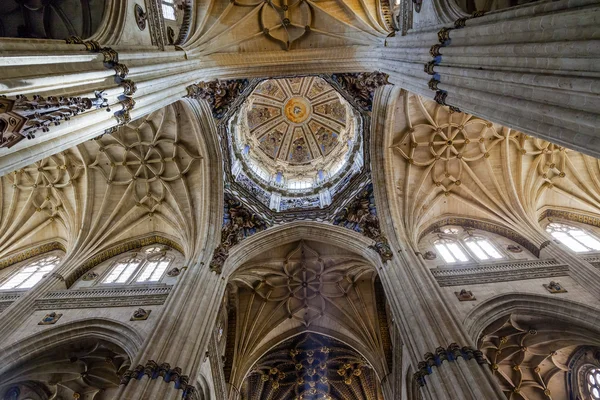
x=576, y=239
x=593, y=382
x=31, y=273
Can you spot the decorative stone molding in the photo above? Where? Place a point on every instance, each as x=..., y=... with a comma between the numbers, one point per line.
x=570, y=216
x=140, y=315
x=555, y=287
x=33, y=252
x=140, y=17
x=451, y=354
x=156, y=23
x=219, y=94
x=238, y=223
x=164, y=371
x=102, y=297
x=360, y=215
x=50, y=319
x=465, y=295
x=498, y=272
x=90, y=276
x=361, y=86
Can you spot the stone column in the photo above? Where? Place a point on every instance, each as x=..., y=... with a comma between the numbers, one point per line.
x=167, y=366
x=446, y=362
x=533, y=68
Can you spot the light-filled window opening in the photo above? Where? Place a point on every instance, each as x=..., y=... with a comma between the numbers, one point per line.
x=593, y=383
x=576, y=239
x=168, y=9
x=144, y=267
x=450, y=251
x=123, y=270
x=31, y=273
x=300, y=184
x=482, y=248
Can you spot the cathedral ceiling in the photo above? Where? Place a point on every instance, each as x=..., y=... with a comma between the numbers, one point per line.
x=532, y=356
x=297, y=120
x=145, y=178
x=312, y=367
x=447, y=163
x=256, y=25
x=307, y=287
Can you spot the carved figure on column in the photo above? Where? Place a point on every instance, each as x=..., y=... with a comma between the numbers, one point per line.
x=361, y=216
x=361, y=86
x=219, y=94
x=238, y=223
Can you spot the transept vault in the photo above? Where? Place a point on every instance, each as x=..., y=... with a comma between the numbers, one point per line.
x=299, y=200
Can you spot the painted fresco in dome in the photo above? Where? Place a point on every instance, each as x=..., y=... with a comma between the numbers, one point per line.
x=271, y=143
x=299, y=152
x=296, y=119
x=259, y=115
x=333, y=109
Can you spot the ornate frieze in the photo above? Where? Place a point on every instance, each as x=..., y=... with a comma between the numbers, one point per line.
x=163, y=371
x=238, y=223
x=219, y=94
x=450, y=354
x=361, y=86
x=499, y=272
x=360, y=215
x=103, y=297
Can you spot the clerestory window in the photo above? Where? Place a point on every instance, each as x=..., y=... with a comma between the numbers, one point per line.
x=576, y=239
x=593, y=383
x=147, y=266
x=31, y=273
x=456, y=246
x=168, y=9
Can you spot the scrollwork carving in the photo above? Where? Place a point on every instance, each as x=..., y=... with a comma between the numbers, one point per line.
x=219, y=94
x=361, y=86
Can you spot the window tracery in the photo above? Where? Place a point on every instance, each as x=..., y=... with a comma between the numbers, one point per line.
x=575, y=238
x=31, y=273
x=147, y=266
x=456, y=246
x=593, y=383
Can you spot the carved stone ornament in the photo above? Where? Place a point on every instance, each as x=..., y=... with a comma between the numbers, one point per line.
x=219, y=94
x=140, y=315
x=174, y=272
x=465, y=295
x=361, y=86
x=140, y=17
x=451, y=354
x=90, y=276
x=163, y=371
x=555, y=287
x=360, y=215
x=238, y=223
x=417, y=4
x=513, y=248
x=429, y=255
x=50, y=319
x=22, y=117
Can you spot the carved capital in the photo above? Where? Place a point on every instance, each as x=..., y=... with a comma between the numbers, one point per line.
x=450, y=354
x=220, y=95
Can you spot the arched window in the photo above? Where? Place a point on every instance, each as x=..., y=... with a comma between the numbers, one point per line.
x=450, y=250
x=482, y=248
x=31, y=273
x=455, y=245
x=144, y=267
x=576, y=239
x=593, y=383
x=168, y=9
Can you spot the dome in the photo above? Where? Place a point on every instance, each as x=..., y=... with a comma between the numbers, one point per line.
x=295, y=134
